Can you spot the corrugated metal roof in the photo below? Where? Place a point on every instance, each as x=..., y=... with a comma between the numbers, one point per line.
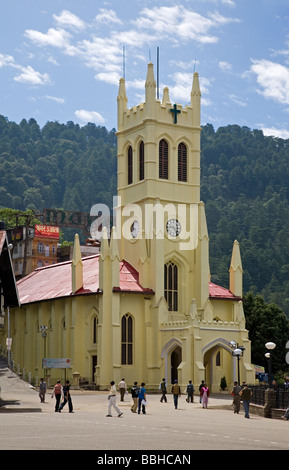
x=54, y=281
x=218, y=292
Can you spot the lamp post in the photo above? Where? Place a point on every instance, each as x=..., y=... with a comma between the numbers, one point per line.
x=237, y=352
x=270, y=346
x=43, y=329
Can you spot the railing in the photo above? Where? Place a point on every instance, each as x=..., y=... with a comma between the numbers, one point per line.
x=258, y=394
x=282, y=395
x=282, y=398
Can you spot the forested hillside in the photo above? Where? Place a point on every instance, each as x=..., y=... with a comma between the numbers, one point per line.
x=245, y=185
x=59, y=166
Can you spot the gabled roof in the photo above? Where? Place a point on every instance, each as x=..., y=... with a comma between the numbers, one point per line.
x=7, y=278
x=54, y=281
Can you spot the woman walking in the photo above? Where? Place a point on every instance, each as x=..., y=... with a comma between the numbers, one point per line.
x=205, y=395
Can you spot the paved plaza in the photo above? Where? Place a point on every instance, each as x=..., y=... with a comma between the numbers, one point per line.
x=27, y=424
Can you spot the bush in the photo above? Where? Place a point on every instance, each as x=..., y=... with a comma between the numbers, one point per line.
x=223, y=383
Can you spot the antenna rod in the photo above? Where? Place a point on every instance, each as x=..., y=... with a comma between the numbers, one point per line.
x=123, y=61
x=158, y=72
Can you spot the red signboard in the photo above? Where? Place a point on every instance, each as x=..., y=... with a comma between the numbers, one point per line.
x=47, y=231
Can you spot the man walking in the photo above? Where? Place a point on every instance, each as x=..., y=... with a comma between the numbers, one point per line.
x=42, y=390
x=122, y=389
x=112, y=401
x=163, y=389
x=237, y=398
x=134, y=395
x=190, y=392
x=176, y=391
x=246, y=394
x=67, y=398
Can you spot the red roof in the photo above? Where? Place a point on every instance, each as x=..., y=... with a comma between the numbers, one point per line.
x=218, y=292
x=54, y=281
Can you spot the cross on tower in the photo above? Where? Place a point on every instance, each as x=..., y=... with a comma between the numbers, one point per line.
x=175, y=111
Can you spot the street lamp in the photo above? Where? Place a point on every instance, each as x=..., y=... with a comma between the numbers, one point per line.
x=43, y=329
x=270, y=346
x=237, y=352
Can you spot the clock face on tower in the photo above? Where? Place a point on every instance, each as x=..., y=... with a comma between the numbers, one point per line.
x=134, y=229
x=173, y=227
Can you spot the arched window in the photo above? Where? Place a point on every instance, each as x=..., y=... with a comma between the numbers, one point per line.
x=163, y=159
x=129, y=165
x=126, y=339
x=40, y=247
x=182, y=162
x=141, y=161
x=171, y=286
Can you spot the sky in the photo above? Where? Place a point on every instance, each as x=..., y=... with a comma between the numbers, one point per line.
x=62, y=60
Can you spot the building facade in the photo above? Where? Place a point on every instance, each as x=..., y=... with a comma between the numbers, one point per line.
x=144, y=308
x=33, y=247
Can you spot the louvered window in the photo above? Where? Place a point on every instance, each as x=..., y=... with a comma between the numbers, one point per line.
x=182, y=162
x=129, y=165
x=141, y=161
x=171, y=286
x=163, y=160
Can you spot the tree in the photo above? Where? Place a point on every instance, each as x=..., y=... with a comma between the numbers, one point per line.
x=266, y=322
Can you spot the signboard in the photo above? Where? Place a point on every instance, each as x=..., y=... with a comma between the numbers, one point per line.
x=259, y=369
x=64, y=218
x=47, y=231
x=56, y=363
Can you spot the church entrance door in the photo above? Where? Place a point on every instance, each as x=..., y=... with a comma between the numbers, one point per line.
x=176, y=359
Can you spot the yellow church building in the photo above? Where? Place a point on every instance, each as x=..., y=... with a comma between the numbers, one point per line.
x=144, y=308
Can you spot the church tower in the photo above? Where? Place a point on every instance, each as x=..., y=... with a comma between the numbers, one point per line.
x=164, y=234
x=188, y=322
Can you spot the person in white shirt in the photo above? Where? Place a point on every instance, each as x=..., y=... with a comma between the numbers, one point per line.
x=112, y=400
x=122, y=389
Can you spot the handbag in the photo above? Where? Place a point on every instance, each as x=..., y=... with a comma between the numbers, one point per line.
x=144, y=402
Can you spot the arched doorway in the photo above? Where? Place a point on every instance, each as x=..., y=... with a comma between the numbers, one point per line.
x=176, y=359
x=217, y=360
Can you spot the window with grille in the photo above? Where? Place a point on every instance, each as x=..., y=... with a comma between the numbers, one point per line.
x=182, y=162
x=126, y=339
x=171, y=286
x=141, y=161
x=163, y=159
x=129, y=165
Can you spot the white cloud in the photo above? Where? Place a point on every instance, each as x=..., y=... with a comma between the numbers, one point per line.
x=6, y=60
x=56, y=99
x=236, y=100
x=103, y=53
x=273, y=79
x=27, y=74
x=108, y=77
x=54, y=37
x=31, y=77
x=181, y=23
x=89, y=116
x=69, y=20
x=107, y=16
x=225, y=66
x=281, y=133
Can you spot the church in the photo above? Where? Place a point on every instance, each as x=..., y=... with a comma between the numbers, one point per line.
x=144, y=308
